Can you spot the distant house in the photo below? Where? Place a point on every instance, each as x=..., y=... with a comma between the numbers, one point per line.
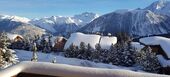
x=92, y=39
x=59, y=44
x=15, y=37
x=161, y=46
x=16, y=41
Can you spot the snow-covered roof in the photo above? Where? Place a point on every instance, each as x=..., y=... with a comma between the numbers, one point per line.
x=157, y=40
x=92, y=39
x=163, y=61
x=137, y=45
x=107, y=41
x=77, y=38
x=13, y=36
x=62, y=70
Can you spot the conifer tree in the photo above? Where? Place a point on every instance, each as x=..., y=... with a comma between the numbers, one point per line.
x=34, y=49
x=147, y=60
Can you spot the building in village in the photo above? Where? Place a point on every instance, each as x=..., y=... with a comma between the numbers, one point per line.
x=161, y=46
x=16, y=41
x=59, y=43
x=92, y=39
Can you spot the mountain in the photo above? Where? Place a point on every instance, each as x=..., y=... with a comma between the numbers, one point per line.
x=63, y=25
x=19, y=25
x=152, y=20
x=160, y=7
x=134, y=22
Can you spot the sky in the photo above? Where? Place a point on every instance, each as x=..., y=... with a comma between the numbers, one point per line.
x=45, y=8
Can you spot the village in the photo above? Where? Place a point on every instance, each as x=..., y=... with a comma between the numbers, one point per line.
x=118, y=50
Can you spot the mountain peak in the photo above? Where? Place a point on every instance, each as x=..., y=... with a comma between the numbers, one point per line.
x=160, y=7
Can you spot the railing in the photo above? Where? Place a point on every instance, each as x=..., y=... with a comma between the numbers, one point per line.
x=44, y=69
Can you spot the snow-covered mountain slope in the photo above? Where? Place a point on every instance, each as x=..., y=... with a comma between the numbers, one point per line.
x=19, y=25
x=14, y=18
x=160, y=7
x=134, y=22
x=63, y=25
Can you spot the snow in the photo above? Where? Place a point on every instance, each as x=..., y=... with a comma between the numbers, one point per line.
x=122, y=11
x=77, y=38
x=63, y=70
x=137, y=45
x=157, y=40
x=20, y=19
x=64, y=67
x=42, y=57
x=50, y=23
x=15, y=18
x=163, y=61
x=107, y=41
x=13, y=36
x=92, y=39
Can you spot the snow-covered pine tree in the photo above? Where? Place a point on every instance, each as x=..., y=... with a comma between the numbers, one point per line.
x=82, y=51
x=49, y=42
x=113, y=54
x=96, y=53
x=27, y=43
x=34, y=55
x=88, y=52
x=7, y=55
x=72, y=51
x=126, y=56
x=147, y=60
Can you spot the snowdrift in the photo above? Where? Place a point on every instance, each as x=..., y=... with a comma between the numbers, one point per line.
x=92, y=39
x=62, y=70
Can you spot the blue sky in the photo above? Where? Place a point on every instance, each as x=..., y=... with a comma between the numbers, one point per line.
x=42, y=8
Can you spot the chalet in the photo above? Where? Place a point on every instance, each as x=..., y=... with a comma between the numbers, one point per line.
x=16, y=41
x=161, y=46
x=92, y=39
x=15, y=37
x=59, y=43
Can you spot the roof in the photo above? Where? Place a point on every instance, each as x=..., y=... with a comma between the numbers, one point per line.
x=92, y=39
x=137, y=45
x=13, y=36
x=157, y=40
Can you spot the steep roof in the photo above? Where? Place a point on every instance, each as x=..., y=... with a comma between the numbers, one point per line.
x=13, y=36
x=157, y=40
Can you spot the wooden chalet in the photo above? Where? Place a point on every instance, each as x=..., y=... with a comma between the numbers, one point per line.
x=159, y=45
x=59, y=44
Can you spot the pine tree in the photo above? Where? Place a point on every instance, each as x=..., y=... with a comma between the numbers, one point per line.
x=34, y=49
x=72, y=51
x=6, y=55
x=147, y=60
x=88, y=52
x=82, y=51
x=96, y=53
x=113, y=54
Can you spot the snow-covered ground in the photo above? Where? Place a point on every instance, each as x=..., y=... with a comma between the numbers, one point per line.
x=62, y=69
x=42, y=57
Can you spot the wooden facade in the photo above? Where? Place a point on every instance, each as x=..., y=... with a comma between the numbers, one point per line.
x=59, y=44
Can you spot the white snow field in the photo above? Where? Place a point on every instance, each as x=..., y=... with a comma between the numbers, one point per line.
x=63, y=70
x=92, y=39
x=42, y=57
